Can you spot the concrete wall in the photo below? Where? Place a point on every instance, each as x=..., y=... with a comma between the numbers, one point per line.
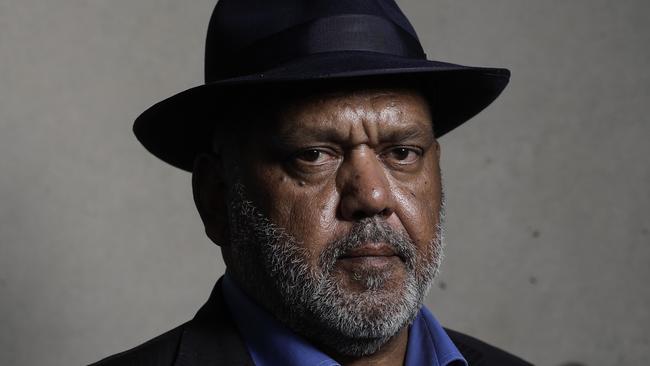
x=548, y=198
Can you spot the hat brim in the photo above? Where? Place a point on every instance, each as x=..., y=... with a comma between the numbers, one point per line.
x=180, y=127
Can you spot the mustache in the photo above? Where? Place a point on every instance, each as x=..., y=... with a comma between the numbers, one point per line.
x=370, y=230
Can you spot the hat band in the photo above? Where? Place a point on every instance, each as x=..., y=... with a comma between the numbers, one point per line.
x=353, y=32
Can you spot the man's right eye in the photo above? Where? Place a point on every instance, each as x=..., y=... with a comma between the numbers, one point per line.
x=311, y=155
x=314, y=156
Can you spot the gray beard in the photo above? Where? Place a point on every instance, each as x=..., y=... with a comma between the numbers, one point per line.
x=274, y=268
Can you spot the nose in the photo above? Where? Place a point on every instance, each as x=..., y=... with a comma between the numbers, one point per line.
x=364, y=187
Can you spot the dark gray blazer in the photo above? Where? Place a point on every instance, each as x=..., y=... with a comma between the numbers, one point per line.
x=211, y=338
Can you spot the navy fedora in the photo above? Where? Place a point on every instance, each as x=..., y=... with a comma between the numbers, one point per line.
x=254, y=44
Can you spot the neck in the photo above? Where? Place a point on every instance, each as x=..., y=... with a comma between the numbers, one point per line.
x=392, y=353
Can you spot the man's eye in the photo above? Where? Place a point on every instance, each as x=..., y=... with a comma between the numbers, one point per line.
x=313, y=156
x=403, y=155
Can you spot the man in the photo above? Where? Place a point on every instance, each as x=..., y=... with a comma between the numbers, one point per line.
x=315, y=166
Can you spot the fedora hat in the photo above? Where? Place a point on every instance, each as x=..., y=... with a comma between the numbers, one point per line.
x=254, y=44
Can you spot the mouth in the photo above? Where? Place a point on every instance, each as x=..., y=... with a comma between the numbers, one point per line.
x=370, y=250
x=370, y=254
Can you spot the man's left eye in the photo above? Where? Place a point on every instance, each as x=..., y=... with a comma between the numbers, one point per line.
x=403, y=155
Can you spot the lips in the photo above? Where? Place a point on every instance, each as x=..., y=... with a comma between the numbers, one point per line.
x=370, y=250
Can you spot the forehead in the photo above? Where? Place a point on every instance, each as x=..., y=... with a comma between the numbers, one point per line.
x=375, y=97
x=385, y=107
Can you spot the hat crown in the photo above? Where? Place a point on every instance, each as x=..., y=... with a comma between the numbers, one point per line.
x=287, y=43
x=246, y=36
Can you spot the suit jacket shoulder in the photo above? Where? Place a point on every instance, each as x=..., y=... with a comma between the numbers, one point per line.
x=211, y=338
x=159, y=351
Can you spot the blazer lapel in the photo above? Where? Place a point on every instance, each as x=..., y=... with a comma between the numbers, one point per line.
x=211, y=338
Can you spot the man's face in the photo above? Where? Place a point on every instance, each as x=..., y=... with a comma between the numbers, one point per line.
x=334, y=215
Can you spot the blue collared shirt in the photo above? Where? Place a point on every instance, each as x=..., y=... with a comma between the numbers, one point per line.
x=270, y=343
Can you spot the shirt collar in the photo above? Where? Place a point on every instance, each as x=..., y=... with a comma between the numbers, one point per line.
x=269, y=342
x=429, y=344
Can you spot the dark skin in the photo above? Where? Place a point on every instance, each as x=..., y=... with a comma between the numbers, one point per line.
x=330, y=160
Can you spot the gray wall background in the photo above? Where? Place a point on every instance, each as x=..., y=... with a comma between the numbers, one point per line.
x=548, y=224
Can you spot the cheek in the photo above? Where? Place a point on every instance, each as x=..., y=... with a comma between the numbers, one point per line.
x=312, y=219
x=306, y=212
x=418, y=207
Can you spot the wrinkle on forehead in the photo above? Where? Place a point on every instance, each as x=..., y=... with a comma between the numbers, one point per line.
x=366, y=112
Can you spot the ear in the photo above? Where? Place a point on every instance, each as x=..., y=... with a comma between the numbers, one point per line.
x=209, y=189
x=437, y=147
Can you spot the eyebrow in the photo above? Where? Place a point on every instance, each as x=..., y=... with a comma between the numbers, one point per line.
x=408, y=133
x=332, y=134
